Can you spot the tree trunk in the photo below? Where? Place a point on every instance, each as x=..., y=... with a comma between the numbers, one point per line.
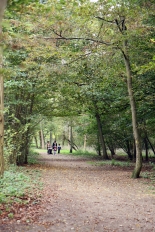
x=105, y=156
x=69, y=135
x=2, y=8
x=146, y=149
x=24, y=149
x=50, y=137
x=129, y=149
x=138, y=165
x=42, y=136
x=85, y=142
x=98, y=145
x=71, y=139
x=1, y=126
x=40, y=145
x=112, y=151
x=63, y=138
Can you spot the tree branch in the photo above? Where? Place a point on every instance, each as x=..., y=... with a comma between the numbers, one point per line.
x=78, y=38
x=108, y=21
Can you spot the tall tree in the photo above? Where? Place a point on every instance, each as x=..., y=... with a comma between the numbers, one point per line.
x=2, y=8
x=120, y=16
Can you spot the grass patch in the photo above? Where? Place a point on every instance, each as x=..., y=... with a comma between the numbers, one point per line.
x=113, y=163
x=145, y=175
x=79, y=153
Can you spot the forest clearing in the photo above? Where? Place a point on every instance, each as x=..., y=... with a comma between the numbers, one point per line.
x=80, y=196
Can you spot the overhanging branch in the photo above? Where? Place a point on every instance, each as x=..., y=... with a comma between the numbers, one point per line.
x=108, y=21
x=78, y=38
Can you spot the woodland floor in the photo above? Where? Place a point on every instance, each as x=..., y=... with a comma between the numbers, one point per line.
x=82, y=197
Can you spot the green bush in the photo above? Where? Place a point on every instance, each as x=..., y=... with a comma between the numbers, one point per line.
x=32, y=157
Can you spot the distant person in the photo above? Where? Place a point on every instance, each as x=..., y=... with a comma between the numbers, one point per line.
x=54, y=146
x=49, y=148
x=59, y=148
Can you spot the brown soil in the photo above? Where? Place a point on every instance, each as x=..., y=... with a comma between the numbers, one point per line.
x=82, y=197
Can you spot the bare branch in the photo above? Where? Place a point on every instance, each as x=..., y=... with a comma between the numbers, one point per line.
x=108, y=21
x=78, y=38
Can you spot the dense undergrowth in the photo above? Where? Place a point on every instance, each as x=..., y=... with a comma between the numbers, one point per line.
x=20, y=187
x=18, y=182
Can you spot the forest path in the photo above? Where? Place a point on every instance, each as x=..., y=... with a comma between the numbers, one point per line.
x=82, y=197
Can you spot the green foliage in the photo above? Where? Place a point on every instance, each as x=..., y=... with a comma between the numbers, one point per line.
x=114, y=163
x=17, y=183
x=32, y=157
x=145, y=175
x=17, y=4
x=10, y=215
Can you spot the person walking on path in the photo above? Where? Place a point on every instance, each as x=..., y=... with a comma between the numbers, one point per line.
x=54, y=146
x=59, y=148
x=48, y=146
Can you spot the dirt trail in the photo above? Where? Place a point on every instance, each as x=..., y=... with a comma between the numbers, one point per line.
x=84, y=198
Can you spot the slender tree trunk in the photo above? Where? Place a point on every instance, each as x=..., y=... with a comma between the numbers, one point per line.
x=42, y=136
x=24, y=148
x=105, y=156
x=71, y=139
x=122, y=29
x=69, y=135
x=63, y=138
x=85, y=142
x=138, y=165
x=134, y=150
x=146, y=149
x=98, y=147
x=40, y=141
x=1, y=125
x=50, y=137
x=2, y=8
